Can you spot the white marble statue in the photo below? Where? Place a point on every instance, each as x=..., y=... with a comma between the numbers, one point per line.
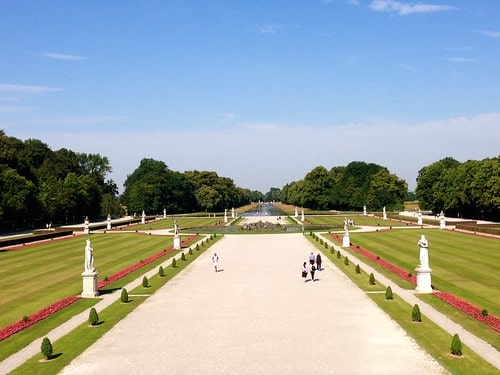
x=176, y=228
x=424, y=251
x=89, y=257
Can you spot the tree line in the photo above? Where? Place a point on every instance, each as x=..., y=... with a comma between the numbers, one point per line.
x=345, y=188
x=40, y=186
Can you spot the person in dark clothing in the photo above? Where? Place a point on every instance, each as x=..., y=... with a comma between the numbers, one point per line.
x=312, y=269
x=318, y=261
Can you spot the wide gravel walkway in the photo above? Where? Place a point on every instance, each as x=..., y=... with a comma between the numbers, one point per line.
x=256, y=315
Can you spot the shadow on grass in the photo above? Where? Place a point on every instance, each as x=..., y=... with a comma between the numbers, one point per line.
x=108, y=291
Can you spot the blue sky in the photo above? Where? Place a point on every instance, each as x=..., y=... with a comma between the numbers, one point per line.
x=258, y=91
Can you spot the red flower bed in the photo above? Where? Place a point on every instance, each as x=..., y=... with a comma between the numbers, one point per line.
x=469, y=309
x=133, y=267
x=36, y=317
x=49, y=310
x=466, y=307
x=387, y=265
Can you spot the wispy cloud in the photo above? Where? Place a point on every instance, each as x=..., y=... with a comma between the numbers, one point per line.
x=269, y=29
x=4, y=109
x=462, y=59
x=404, y=9
x=493, y=34
x=61, y=56
x=26, y=89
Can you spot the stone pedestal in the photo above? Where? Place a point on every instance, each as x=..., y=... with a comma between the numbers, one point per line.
x=423, y=280
x=346, y=240
x=177, y=242
x=90, y=284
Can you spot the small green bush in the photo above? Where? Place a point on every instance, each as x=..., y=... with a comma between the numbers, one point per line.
x=332, y=250
x=93, y=317
x=197, y=247
x=174, y=263
x=106, y=278
x=346, y=261
x=484, y=312
x=321, y=241
x=456, y=345
x=46, y=348
x=183, y=257
x=326, y=245
x=26, y=319
x=358, y=269
x=190, y=252
x=145, y=282
x=371, y=279
x=339, y=256
x=415, y=314
x=124, y=296
x=161, y=271
x=388, y=293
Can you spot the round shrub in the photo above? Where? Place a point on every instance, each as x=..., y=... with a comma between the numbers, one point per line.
x=124, y=296
x=346, y=261
x=358, y=269
x=371, y=279
x=93, y=317
x=26, y=319
x=183, y=257
x=484, y=312
x=388, y=293
x=145, y=282
x=46, y=348
x=456, y=345
x=174, y=263
x=415, y=314
x=161, y=271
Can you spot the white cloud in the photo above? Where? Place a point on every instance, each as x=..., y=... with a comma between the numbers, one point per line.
x=262, y=155
x=60, y=56
x=462, y=59
x=12, y=109
x=493, y=34
x=404, y=9
x=28, y=89
x=269, y=29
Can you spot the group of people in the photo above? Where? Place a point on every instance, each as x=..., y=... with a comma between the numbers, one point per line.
x=313, y=266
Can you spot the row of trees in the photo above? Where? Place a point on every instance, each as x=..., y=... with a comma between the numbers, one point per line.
x=470, y=189
x=39, y=185
x=345, y=188
x=153, y=187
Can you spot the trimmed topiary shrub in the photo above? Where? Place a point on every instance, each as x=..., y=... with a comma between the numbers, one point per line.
x=371, y=279
x=145, y=282
x=197, y=247
x=174, y=263
x=161, y=271
x=190, y=251
x=46, y=348
x=183, y=257
x=484, y=312
x=388, y=293
x=358, y=269
x=321, y=241
x=339, y=256
x=346, y=261
x=26, y=319
x=415, y=314
x=456, y=345
x=326, y=245
x=93, y=317
x=124, y=296
x=332, y=250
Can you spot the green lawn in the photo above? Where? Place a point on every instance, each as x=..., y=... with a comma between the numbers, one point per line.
x=182, y=222
x=338, y=220
x=38, y=275
x=465, y=265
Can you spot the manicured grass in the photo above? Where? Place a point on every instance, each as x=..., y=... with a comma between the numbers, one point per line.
x=431, y=337
x=70, y=346
x=338, y=220
x=462, y=264
x=182, y=222
x=38, y=275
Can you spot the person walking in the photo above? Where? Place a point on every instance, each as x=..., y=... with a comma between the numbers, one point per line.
x=312, y=258
x=312, y=270
x=215, y=261
x=304, y=271
x=318, y=261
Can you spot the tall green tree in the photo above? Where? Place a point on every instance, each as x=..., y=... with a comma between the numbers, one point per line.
x=386, y=190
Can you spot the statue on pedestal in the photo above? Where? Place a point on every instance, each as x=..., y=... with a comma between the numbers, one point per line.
x=89, y=257
x=176, y=228
x=424, y=251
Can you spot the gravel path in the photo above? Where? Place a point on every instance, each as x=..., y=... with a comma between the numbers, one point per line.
x=256, y=315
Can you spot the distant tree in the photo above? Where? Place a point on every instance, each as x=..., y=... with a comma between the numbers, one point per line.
x=386, y=190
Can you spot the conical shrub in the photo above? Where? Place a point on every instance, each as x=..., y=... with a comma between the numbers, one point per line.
x=190, y=252
x=183, y=257
x=145, y=282
x=415, y=314
x=371, y=279
x=174, y=263
x=456, y=345
x=124, y=296
x=388, y=293
x=46, y=348
x=346, y=261
x=161, y=271
x=358, y=269
x=339, y=255
x=93, y=317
